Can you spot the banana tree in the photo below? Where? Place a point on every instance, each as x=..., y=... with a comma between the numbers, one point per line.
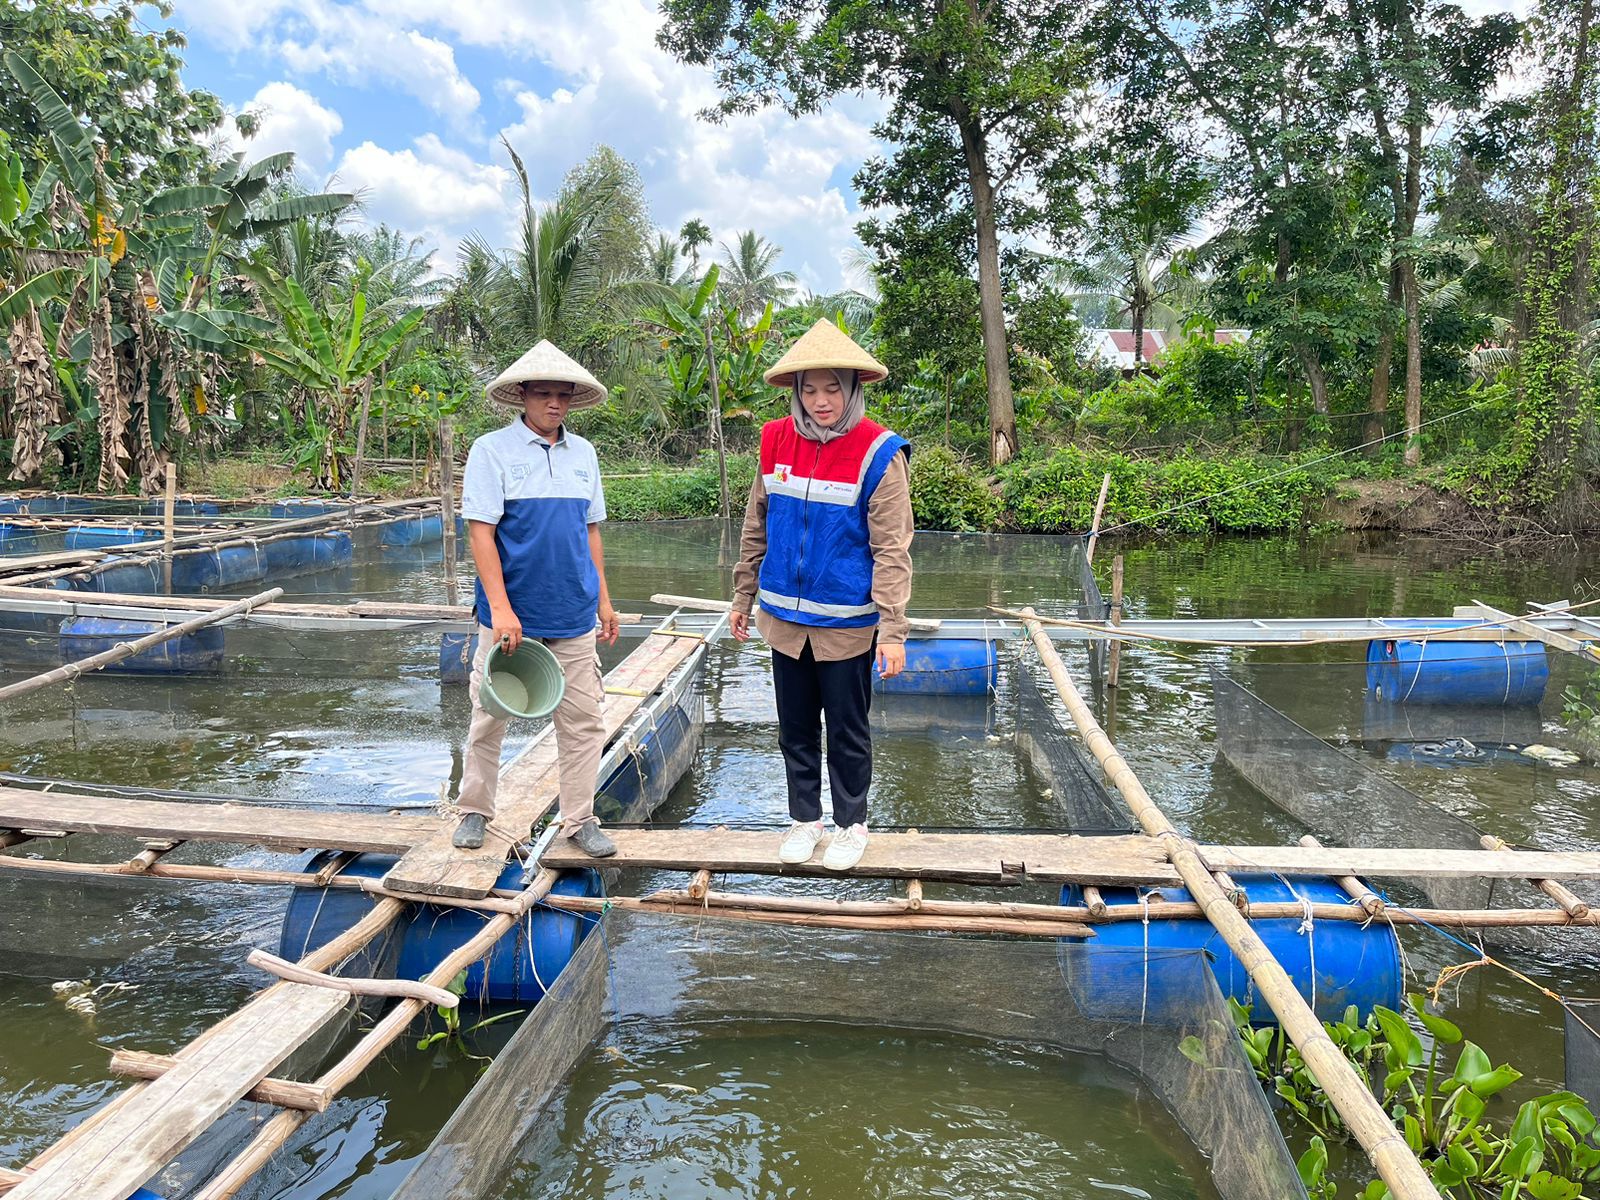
x=329, y=357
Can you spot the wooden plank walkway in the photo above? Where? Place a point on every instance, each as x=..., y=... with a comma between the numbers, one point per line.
x=998, y=859
x=530, y=785
x=151, y=1124
x=272, y=827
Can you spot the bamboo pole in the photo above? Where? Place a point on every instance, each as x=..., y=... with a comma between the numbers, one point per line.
x=699, y=885
x=1571, y=903
x=1114, y=668
x=285, y=1093
x=914, y=901
x=1094, y=902
x=705, y=604
x=447, y=507
x=1371, y=903
x=1099, y=510
x=128, y=649
x=168, y=507
x=1350, y=1095
x=724, y=507
x=361, y=438
x=901, y=921
x=150, y=855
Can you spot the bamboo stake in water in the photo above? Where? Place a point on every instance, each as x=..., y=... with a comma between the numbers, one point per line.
x=1099, y=510
x=128, y=649
x=361, y=438
x=447, y=505
x=1115, y=666
x=166, y=542
x=1350, y=1094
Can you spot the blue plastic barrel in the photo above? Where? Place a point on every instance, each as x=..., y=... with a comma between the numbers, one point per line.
x=1436, y=671
x=98, y=537
x=455, y=656
x=127, y=577
x=290, y=555
x=413, y=531
x=193, y=653
x=332, y=550
x=15, y=539
x=944, y=667
x=1334, y=965
x=517, y=970
x=291, y=509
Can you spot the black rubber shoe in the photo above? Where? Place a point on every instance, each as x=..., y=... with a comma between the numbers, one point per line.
x=469, y=834
x=592, y=842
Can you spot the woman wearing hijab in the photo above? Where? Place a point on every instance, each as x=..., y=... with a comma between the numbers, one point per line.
x=826, y=551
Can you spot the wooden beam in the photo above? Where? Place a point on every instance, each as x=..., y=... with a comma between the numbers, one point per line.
x=285, y=1093
x=275, y=828
x=1556, y=641
x=1571, y=904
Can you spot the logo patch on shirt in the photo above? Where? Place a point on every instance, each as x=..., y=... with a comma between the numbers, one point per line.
x=517, y=471
x=582, y=473
x=781, y=472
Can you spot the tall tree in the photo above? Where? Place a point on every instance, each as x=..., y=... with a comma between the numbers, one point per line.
x=694, y=234
x=750, y=278
x=122, y=76
x=993, y=87
x=1415, y=62
x=1555, y=428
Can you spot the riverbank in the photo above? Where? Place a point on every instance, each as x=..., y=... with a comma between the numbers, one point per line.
x=1049, y=492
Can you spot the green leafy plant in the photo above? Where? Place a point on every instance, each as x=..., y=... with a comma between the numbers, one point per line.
x=454, y=1032
x=1548, y=1152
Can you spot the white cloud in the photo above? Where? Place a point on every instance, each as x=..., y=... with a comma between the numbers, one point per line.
x=290, y=119
x=345, y=42
x=429, y=190
x=762, y=171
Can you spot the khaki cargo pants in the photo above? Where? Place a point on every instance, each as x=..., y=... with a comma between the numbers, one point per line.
x=580, y=733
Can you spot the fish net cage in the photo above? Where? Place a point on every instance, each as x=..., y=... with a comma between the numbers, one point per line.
x=1341, y=794
x=1075, y=784
x=641, y=973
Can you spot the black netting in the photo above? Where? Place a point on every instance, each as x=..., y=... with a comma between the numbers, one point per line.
x=1075, y=783
x=645, y=972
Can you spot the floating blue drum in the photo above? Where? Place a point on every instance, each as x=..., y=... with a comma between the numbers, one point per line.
x=944, y=667
x=455, y=657
x=1334, y=964
x=519, y=968
x=290, y=555
x=16, y=539
x=413, y=531
x=136, y=577
x=193, y=653
x=1401, y=671
x=290, y=509
x=332, y=550
x=98, y=537
x=227, y=566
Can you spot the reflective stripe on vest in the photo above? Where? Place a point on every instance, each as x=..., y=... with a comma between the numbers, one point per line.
x=824, y=491
x=800, y=604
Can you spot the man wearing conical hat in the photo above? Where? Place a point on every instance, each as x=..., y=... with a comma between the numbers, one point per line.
x=826, y=553
x=533, y=504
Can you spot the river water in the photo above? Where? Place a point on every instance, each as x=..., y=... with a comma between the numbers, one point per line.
x=337, y=719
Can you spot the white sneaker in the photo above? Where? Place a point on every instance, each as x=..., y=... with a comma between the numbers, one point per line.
x=800, y=843
x=845, y=849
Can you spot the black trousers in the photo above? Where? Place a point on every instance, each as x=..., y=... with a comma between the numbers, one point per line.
x=808, y=690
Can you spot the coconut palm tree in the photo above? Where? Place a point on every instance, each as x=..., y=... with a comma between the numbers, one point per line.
x=665, y=266
x=749, y=280
x=694, y=234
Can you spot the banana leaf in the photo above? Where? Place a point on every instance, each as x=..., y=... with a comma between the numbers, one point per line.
x=73, y=145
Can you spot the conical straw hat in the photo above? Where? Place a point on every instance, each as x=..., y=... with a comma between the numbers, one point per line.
x=825, y=345
x=545, y=362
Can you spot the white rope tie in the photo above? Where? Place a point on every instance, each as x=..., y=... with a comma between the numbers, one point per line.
x=1308, y=930
x=1144, y=918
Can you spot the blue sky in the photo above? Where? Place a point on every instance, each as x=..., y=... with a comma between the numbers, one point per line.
x=404, y=101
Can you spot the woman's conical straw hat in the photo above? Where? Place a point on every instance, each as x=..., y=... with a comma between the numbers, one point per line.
x=825, y=345
x=545, y=362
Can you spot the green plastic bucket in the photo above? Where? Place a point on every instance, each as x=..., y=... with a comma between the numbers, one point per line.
x=528, y=683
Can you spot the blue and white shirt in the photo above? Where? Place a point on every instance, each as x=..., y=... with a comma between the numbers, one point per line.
x=541, y=499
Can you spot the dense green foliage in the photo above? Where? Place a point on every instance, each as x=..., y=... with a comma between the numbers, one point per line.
x=1442, y=1094
x=1350, y=231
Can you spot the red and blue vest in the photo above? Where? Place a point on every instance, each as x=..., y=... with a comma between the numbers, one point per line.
x=818, y=565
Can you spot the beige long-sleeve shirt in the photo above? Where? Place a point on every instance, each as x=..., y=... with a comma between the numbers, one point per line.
x=889, y=530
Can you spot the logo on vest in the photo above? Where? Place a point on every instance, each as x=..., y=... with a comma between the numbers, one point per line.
x=781, y=472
